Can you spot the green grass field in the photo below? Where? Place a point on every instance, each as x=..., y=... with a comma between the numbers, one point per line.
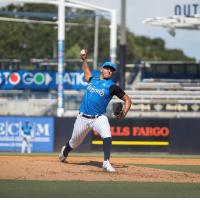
x=81, y=189
x=181, y=168
x=100, y=189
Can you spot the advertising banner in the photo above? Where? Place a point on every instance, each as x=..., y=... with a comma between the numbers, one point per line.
x=41, y=80
x=42, y=129
x=172, y=135
x=137, y=133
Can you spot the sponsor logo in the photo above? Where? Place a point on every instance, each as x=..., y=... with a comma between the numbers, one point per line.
x=120, y=131
x=126, y=131
x=30, y=78
x=41, y=134
x=14, y=78
x=187, y=10
x=14, y=129
x=74, y=78
x=27, y=78
x=151, y=131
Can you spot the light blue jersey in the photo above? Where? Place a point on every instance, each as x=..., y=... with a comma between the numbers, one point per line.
x=97, y=96
x=27, y=128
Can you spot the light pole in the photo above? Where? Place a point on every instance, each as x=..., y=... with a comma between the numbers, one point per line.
x=122, y=48
x=61, y=57
x=96, y=40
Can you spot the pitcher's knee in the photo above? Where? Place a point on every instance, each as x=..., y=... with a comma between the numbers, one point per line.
x=74, y=144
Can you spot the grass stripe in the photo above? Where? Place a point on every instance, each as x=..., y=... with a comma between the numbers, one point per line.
x=81, y=189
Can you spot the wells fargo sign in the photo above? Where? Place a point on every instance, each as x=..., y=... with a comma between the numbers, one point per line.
x=137, y=133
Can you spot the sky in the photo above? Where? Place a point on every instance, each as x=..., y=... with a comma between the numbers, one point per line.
x=137, y=10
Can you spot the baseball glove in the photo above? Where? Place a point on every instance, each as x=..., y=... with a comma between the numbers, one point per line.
x=117, y=109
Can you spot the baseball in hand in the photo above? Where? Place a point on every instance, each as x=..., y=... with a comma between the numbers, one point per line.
x=83, y=52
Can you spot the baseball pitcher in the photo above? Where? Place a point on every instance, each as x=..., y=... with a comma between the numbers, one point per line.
x=99, y=92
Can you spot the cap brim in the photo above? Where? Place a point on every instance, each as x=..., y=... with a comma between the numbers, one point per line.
x=109, y=67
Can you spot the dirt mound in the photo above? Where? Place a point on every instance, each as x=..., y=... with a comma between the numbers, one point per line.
x=90, y=169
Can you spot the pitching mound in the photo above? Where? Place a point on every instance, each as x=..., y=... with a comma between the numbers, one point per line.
x=90, y=169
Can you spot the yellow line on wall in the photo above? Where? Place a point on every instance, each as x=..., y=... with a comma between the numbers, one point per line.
x=147, y=143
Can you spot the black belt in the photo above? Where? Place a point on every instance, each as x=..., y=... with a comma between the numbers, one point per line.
x=89, y=116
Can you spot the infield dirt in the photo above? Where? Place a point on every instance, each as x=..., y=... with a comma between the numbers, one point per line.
x=90, y=169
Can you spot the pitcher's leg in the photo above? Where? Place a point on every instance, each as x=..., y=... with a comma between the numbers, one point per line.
x=107, y=143
x=102, y=126
x=80, y=130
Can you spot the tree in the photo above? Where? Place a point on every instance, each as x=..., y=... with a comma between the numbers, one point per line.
x=25, y=41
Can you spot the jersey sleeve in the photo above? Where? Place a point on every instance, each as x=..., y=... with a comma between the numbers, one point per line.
x=90, y=79
x=116, y=90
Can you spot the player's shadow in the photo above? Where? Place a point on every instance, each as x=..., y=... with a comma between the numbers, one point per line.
x=120, y=166
x=91, y=163
x=99, y=164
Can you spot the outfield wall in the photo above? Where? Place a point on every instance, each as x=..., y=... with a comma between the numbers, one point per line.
x=128, y=135
x=185, y=135
x=11, y=133
x=139, y=134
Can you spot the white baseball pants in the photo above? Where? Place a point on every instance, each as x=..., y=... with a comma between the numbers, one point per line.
x=83, y=125
x=26, y=144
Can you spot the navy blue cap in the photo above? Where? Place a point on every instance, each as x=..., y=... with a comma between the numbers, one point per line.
x=109, y=64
